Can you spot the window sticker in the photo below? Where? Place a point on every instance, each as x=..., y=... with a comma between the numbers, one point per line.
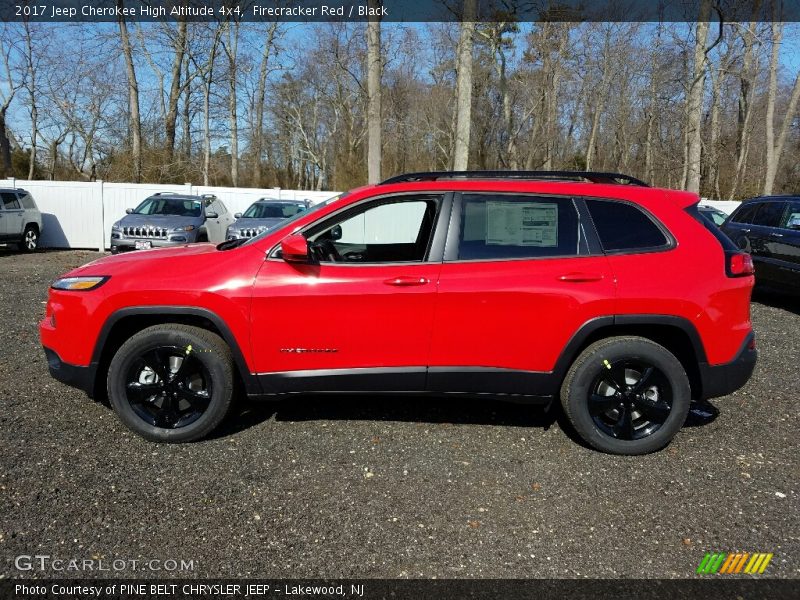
x=522, y=224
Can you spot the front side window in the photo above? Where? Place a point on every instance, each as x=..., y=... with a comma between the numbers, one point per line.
x=624, y=227
x=496, y=227
x=769, y=214
x=10, y=201
x=398, y=230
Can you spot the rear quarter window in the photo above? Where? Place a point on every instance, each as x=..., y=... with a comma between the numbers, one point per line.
x=624, y=227
x=745, y=213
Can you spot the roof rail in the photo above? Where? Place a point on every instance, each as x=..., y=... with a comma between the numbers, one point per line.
x=592, y=176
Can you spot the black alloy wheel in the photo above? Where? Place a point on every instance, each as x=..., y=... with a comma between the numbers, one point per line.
x=168, y=387
x=630, y=399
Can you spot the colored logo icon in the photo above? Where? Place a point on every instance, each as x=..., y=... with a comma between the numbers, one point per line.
x=732, y=563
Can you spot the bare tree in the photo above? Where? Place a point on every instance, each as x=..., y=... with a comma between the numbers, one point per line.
x=464, y=87
x=258, y=132
x=775, y=149
x=134, y=119
x=374, y=69
x=694, y=100
x=231, y=49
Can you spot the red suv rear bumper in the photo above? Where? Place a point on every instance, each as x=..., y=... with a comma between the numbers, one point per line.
x=721, y=380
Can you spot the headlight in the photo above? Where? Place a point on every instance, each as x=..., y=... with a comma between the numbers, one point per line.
x=186, y=228
x=79, y=284
x=116, y=227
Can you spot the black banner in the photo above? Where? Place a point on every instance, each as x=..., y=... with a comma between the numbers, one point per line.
x=712, y=588
x=392, y=10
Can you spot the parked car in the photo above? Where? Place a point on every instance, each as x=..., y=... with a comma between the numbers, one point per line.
x=168, y=219
x=526, y=286
x=20, y=219
x=768, y=228
x=716, y=215
x=263, y=214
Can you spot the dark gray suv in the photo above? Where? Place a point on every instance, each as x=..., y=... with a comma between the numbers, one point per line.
x=769, y=229
x=171, y=220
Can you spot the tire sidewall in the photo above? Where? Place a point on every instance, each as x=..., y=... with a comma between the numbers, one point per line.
x=221, y=384
x=590, y=364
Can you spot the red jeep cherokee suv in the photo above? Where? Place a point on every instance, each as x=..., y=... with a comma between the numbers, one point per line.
x=617, y=297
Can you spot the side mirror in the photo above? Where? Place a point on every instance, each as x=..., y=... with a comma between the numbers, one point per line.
x=294, y=249
x=128, y=211
x=211, y=215
x=336, y=232
x=237, y=216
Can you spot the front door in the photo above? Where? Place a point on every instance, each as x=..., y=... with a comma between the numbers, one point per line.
x=358, y=316
x=11, y=216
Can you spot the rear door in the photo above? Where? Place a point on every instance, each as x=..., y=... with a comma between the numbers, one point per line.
x=12, y=216
x=765, y=238
x=517, y=282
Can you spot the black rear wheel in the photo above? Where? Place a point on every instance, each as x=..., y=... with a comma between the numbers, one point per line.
x=626, y=395
x=172, y=383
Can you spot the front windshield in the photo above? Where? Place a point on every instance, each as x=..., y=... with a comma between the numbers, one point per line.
x=290, y=220
x=273, y=210
x=180, y=207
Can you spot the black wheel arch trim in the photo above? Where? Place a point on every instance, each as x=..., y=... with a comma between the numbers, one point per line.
x=251, y=383
x=578, y=339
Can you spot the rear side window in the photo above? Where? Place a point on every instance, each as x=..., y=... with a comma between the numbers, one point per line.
x=500, y=227
x=10, y=201
x=27, y=201
x=769, y=214
x=746, y=213
x=792, y=218
x=622, y=226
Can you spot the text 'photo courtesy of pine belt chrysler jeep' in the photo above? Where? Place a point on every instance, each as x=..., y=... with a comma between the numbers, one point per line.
x=613, y=297
x=262, y=215
x=167, y=219
x=20, y=219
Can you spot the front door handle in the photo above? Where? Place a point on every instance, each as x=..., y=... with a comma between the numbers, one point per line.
x=745, y=231
x=578, y=277
x=774, y=234
x=406, y=281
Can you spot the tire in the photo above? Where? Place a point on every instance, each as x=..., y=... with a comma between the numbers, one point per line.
x=610, y=406
x=172, y=382
x=30, y=239
x=203, y=237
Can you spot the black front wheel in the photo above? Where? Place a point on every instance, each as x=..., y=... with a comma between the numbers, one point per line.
x=172, y=382
x=626, y=395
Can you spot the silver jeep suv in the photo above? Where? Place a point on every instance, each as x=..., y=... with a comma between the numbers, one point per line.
x=263, y=214
x=20, y=219
x=168, y=219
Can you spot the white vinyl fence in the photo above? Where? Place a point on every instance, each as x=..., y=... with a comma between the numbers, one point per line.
x=79, y=214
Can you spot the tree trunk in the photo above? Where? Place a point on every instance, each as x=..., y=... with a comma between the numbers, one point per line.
x=135, y=122
x=31, y=85
x=772, y=165
x=373, y=96
x=694, y=104
x=175, y=90
x=258, y=134
x=232, y=50
x=5, y=147
x=187, y=116
x=464, y=88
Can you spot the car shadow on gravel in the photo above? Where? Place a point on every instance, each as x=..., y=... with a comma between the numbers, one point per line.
x=415, y=409
x=776, y=299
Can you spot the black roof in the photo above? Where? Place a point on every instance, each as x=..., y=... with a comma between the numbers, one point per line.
x=591, y=176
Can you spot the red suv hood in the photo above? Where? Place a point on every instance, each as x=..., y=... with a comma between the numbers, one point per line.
x=108, y=265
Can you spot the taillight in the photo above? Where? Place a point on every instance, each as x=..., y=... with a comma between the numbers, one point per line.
x=739, y=264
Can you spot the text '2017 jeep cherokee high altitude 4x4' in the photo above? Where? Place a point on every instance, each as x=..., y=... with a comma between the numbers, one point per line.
x=616, y=297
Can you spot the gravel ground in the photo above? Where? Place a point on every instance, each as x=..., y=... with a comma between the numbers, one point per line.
x=390, y=487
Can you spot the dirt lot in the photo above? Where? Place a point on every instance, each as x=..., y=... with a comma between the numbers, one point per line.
x=389, y=487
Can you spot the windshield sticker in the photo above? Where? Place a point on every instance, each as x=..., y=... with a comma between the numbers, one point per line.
x=522, y=224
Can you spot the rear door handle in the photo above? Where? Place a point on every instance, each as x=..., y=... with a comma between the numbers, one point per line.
x=578, y=277
x=745, y=231
x=404, y=281
x=776, y=234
